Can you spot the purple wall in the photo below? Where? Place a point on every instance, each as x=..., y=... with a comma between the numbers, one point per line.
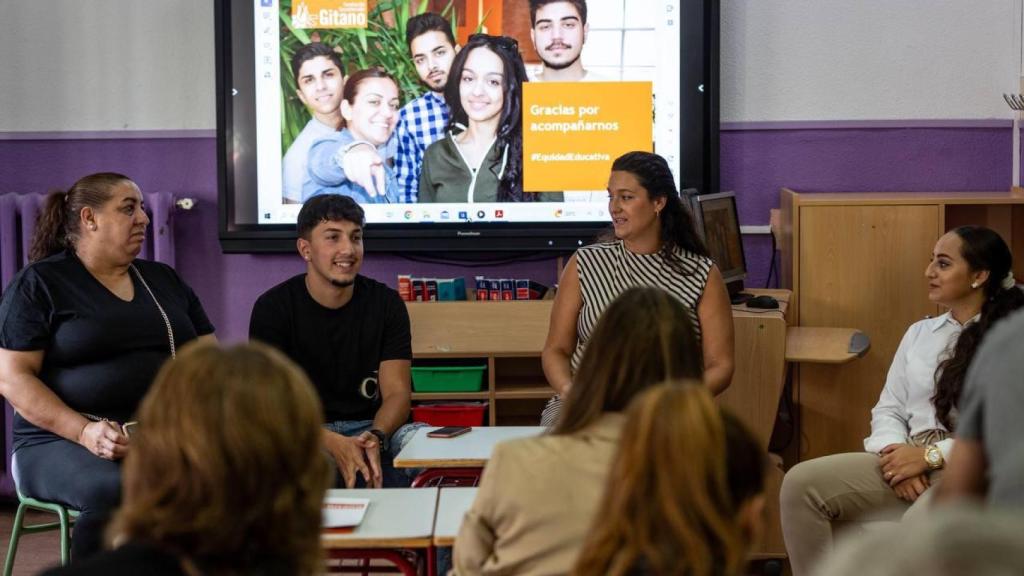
x=755, y=162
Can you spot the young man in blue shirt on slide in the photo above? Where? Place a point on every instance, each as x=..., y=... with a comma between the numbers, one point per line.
x=351, y=336
x=317, y=69
x=423, y=120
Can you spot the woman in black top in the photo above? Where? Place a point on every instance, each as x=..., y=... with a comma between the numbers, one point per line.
x=83, y=330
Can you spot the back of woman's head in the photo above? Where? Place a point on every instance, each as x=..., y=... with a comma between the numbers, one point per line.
x=58, y=226
x=226, y=467
x=645, y=336
x=984, y=250
x=682, y=475
x=653, y=173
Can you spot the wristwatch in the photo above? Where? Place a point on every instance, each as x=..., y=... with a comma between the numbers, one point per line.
x=382, y=439
x=933, y=456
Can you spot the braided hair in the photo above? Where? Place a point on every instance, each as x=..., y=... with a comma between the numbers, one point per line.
x=983, y=249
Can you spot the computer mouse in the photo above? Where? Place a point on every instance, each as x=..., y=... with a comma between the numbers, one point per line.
x=765, y=302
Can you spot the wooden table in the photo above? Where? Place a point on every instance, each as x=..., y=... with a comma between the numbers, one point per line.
x=451, y=507
x=471, y=450
x=825, y=345
x=396, y=519
x=456, y=461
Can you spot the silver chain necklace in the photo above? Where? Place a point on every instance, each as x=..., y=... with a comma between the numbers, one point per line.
x=167, y=321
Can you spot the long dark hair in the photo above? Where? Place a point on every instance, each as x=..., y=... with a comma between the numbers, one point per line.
x=58, y=226
x=653, y=173
x=983, y=249
x=510, y=123
x=645, y=336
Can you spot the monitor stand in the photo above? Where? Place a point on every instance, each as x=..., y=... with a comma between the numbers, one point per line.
x=736, y=293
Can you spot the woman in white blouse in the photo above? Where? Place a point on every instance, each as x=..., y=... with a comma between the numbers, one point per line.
x=970, y=275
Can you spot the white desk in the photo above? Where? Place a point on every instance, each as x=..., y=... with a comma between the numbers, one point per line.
x=396, y=518
x=471, y=450
x=451, y=507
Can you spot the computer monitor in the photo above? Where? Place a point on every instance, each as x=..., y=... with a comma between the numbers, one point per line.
x=718, y=223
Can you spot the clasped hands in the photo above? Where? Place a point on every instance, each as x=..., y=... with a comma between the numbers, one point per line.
x=905, y=469
x=104, y=439
x=354, y=456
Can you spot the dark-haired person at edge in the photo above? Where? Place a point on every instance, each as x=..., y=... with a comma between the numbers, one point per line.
x=83, y=330
x=987, y=460
x=481, y=158
x=910, y=440
x=539, y=497
x=317, y=69
x=227, y=474
x=685, y=493
x=422, y=121
x=655, y=245
x=355, y=161
x=351, y=335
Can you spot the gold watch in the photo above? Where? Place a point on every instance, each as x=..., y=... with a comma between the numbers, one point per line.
x=933, y=456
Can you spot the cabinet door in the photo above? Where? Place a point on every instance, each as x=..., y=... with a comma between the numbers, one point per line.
x=860, y=267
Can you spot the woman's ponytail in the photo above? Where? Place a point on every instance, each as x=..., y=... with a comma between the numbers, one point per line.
x=58, y=225
x=51, y=228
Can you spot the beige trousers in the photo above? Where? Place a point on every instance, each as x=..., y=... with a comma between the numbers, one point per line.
x=832, y=489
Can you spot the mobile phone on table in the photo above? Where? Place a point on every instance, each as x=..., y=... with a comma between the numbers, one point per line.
x=128, y=428
x=448, y=432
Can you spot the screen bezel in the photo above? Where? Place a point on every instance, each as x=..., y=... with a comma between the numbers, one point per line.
x=696, y=207
x=698, y=106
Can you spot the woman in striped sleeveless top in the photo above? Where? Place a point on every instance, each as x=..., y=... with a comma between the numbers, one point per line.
x=655, y=245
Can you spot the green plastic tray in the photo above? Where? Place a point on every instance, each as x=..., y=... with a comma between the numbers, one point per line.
x=447, y=378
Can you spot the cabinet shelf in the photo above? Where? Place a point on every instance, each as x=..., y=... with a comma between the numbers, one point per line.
x=524, y=393
x=507, y=336
x=454, y=396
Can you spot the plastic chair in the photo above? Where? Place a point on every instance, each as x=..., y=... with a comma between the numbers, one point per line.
x=66, y=517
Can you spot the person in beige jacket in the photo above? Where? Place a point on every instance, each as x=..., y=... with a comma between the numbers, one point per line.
x=539, y=496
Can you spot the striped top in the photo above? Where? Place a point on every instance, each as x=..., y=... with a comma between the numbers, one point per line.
x=609, y=269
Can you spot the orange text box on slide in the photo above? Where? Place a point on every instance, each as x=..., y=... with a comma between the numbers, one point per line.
x=326, y=14
x=572, y=131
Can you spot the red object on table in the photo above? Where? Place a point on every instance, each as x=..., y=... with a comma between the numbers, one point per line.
x=450, y=414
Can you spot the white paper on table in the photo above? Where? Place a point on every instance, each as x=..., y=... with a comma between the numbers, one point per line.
x=341, y=512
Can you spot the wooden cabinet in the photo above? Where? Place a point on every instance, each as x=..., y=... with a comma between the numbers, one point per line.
x=858, y=260
x=506, y=336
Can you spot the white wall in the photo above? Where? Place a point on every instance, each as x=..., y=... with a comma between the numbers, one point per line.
x=73, y=65
x=868, y=59
x=106, y=65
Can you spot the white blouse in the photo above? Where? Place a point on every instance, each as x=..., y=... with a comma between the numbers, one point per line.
x=905, y=407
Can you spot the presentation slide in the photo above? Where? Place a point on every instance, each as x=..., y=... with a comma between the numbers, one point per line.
x=519, y=121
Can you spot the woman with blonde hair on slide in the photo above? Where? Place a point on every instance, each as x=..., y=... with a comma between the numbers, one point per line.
x=227, y=473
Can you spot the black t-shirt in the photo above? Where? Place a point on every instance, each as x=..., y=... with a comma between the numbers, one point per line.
x=132, y=558
x=100, y=353
x=152, y=560
x=336, y=348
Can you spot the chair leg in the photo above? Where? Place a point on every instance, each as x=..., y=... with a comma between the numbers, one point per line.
x=65, y=536
x=12, y=548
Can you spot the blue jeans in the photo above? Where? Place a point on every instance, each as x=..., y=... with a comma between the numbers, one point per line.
x=393, y=477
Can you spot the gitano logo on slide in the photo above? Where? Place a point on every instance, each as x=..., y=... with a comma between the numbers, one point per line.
x=329, y=14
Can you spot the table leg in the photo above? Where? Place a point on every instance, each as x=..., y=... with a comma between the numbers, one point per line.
x=447, y=477
x=402, y=564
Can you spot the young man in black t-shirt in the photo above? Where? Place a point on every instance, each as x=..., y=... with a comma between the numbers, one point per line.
x=351, y=336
